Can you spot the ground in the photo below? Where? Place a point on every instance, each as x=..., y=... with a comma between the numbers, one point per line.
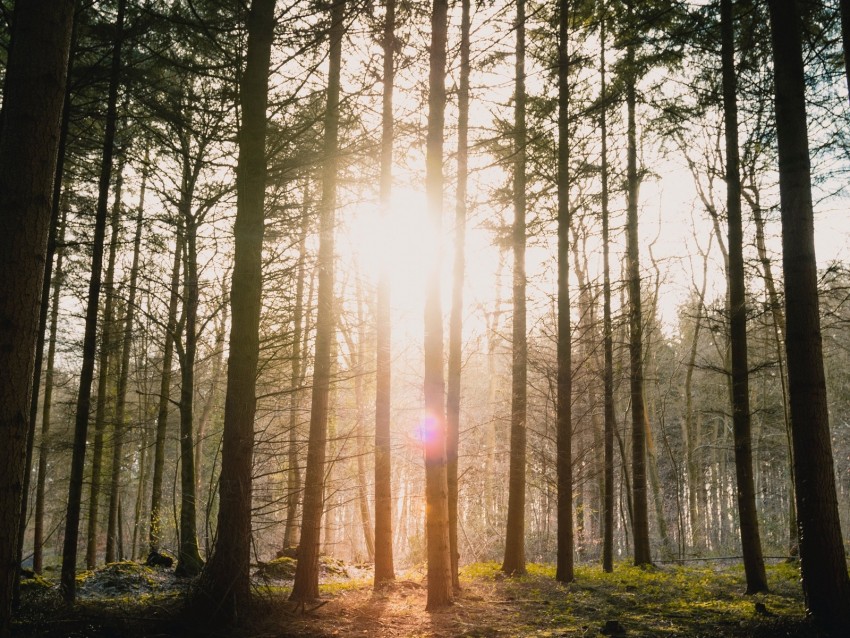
x=662, y=601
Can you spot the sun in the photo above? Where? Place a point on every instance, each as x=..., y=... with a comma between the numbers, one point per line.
x=404, y=243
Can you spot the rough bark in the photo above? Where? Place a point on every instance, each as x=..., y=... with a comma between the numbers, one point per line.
x=224, y=589
x=155, y=528
x=747, y=513
x=440, y=590
x=453, y=396
x=105, y=358
x=514, y=560
x=46, y=410
x=29, y=137
x=306, y=585
x=113, y=527
x=72, y=519
x=642, y=555
x=564, y=571
x=607, y=331
x=384, y=567
x=293, y=475
x=824, y=569
x=189, y=561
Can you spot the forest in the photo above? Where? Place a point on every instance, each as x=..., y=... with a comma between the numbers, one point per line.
x=399, y=318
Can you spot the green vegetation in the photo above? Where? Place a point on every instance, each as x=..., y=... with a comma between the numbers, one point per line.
x=670, y=600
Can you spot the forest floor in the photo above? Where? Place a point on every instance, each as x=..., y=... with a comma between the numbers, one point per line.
x=661, y=601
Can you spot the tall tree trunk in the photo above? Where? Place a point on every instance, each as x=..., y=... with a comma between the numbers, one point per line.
x=293, y=480
x=779, y=341
x=113, y=537
x=607, y=331
x=456, y=318
x=32, y=103
x=384, y=568
x=824, y=569
x=46, y=411
x=224, y=588
x=107, y=347
x=57, y=212
x=564, y=570
x=358, y=358
x=514, y=562
x=306, y=585
x=642, y=555
x=72, y=519
x=440, y=590
x=747, y=513
x=189, y=561
x=155, y=528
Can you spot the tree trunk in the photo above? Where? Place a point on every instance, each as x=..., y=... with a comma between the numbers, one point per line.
x=607, y=332
x=46, y=411
x=514, y=561
x=32, y=103
x=825, y=581
x=72, y=519
x=113, y=528
x=224, y=589
x=642, y=554
x=306, y=585
x=57, y=212
x=189, y=561
x=440, y=590
x=384, y=568
x=155, y=529
x=564, y=569
x=747, y=513
x=293, y=480
x=456, y=318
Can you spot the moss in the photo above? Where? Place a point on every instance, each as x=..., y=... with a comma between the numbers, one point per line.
x=282, y=568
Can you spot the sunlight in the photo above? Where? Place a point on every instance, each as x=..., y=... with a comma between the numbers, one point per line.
x=403, y=244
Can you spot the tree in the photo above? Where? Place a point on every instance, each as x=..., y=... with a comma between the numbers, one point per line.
x=306, y=585
x=224, y=589
x=564, y=568
x=642, y=554
x=607, y=332
x=456, y=319
x=384, y=570
x=72, y=521
x=32, y=102
x=825, y=580
x=440, y=591
x=748, y=516
x=514, y=561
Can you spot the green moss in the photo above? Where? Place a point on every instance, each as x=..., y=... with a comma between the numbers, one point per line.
x=279, y=569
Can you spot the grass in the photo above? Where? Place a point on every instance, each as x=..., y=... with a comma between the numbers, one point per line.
x=655, y=602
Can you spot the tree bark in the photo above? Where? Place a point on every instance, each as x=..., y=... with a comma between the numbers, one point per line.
x=224, y=589
x=155, y=529
x=72, y=519
x=384, y=567
x=306, y=585
x=514, y=561
x=114, y=536
x=189, y=561
x=293, y=475
x=825, y=581
x=564, y=571
x=747, y=513
x=607, y=331
x=29, y=137
x=440, y=590
x=642, y=554
x=105, y=357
